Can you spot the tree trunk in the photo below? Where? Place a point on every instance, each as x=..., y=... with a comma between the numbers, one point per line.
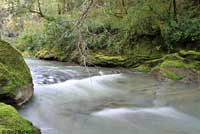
x=59, y=9
x=123, y=6
x=198, y=3
x=175, y=10
x=39, y=8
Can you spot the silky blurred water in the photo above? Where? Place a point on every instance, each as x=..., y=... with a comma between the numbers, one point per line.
x=69, y=100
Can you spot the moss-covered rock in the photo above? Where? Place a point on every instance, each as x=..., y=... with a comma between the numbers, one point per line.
x=176, y=67
x=185, y=75
x=15, y=88
x=12, y=122
x=172, y=75
x=101, y=59
x=15, y=78
x=54, y=54
x=143, y=68
x=182, y=66
x=191, y=54
x=46, y=55
x=135, y=56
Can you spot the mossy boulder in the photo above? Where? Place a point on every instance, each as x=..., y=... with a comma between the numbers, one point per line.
x=15, y=79
x=12, y=123
x=182, y=66
x=16, y=88
x=178, y=72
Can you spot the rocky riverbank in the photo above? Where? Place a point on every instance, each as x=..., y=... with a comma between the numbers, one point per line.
x=182, y=65
x=16, y=88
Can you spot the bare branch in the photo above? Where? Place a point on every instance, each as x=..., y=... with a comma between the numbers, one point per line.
x=40, y=13
x=84, y=13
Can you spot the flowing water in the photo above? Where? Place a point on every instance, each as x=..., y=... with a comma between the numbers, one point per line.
x=69, y=100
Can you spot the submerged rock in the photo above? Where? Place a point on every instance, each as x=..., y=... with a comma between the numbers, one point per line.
x=16, y=86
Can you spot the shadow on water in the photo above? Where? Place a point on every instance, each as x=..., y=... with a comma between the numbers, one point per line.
x=67, y=100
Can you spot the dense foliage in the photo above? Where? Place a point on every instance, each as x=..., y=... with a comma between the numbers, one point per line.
x=115, y=26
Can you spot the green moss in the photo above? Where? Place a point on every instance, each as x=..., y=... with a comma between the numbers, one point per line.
x=198, y=72
x=190, y=52
x=105, y=60
x=10, y=120
x=14, y=73
x=173, y=63
x=173, y=56
x=46, y=54
x=8, y=82
x=171, y=75
x=171, y=66
x=179, y=64
x=53, y=54
x=175, y=60
x=143, y=68
x=110, y=58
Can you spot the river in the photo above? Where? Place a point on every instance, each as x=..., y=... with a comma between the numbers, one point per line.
x=69, y=100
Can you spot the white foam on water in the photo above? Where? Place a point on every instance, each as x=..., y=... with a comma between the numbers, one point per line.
x=88, y=88
x=94, y=83
x=163, y=111
x=101, y=73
